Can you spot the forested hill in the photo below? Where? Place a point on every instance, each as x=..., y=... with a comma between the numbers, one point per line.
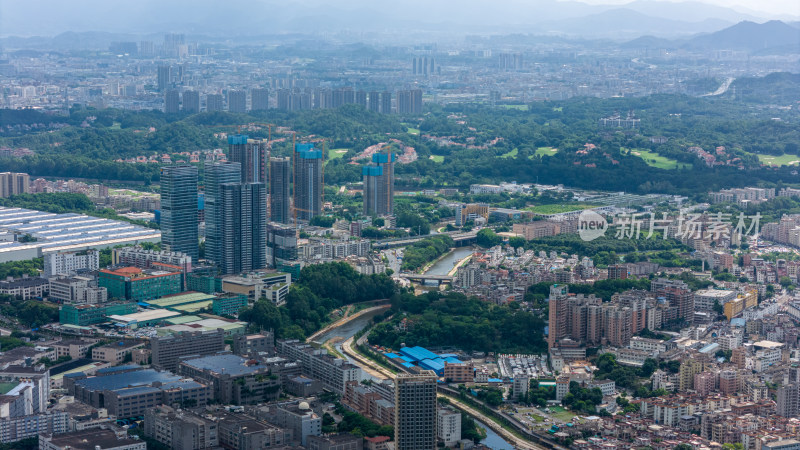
x=751, y=139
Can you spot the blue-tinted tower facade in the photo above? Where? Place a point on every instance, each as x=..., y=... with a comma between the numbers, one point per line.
x=179, y=209
x=307, y=181
x=379, y=185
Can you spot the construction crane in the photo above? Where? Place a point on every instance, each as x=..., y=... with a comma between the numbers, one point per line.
x=269, y=126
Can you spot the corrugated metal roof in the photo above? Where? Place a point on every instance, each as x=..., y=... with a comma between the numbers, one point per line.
x=418, y=353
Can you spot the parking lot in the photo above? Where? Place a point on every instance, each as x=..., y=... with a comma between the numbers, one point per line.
x=531, y=366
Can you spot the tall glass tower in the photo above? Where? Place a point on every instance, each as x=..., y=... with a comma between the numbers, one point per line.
x=217, y=174
x=279, y=186
x=179, y=209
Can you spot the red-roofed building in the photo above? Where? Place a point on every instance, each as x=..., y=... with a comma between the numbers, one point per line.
x=377, y=443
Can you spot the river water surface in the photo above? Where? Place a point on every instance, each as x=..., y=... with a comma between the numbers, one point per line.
x=348, y=330
x=442, y=267
x=446, y=264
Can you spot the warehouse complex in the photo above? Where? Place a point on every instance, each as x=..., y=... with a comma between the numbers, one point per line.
x=27, y=234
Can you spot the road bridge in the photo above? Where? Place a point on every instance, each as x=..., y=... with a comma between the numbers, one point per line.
x=424, y=277
x=460, y=238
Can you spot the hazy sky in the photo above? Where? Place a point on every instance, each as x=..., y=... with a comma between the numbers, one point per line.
x=791, y=7
x=51, y=17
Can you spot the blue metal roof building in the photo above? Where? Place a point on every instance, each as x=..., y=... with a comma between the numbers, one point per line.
x=424, y=358
x=435, y=364
x=418, y=353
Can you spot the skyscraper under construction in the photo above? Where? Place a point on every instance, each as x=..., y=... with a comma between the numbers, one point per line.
x=252, y=154
x=307, y=181
x=379, y=185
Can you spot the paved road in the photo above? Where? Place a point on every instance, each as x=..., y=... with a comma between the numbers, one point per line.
x=376, y=370
x=723, y=88
x=393, y=257
x=367, y=365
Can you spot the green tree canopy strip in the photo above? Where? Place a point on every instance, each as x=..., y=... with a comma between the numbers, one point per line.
x=422, y=252
x=321, y=289
x=455, y=320
x=488, y=238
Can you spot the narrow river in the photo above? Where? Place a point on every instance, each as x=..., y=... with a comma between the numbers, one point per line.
x=442, y=267
x=446, y=264
x=347, y=331
x=492, y=440
x=350, y=328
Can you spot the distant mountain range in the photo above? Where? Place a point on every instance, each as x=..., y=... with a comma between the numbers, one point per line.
x=771, y=37
x=625, y=22
x=750, y=36
x=405, y=20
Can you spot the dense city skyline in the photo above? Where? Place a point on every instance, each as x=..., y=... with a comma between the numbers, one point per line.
x=474, y=225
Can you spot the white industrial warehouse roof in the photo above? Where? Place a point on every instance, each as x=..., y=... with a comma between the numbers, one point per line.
x=63, y=232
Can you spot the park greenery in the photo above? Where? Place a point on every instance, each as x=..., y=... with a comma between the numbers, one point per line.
x=603, y=250
x=10, y=342
x=382, y=233
x=31, y=443
x=537, y=395
x=492, y=396
x=470, y=429
x=16, y=269
x=581, y=399
x=359, y=425
x=321, y=289
x=629, y=377
x=55, y=202
x=647, y=334
x=487, y=238
x=544, y=142
x=416, y=224
x=420, y=253
x=454, y=320
x=31, y=313
x=322, y=221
